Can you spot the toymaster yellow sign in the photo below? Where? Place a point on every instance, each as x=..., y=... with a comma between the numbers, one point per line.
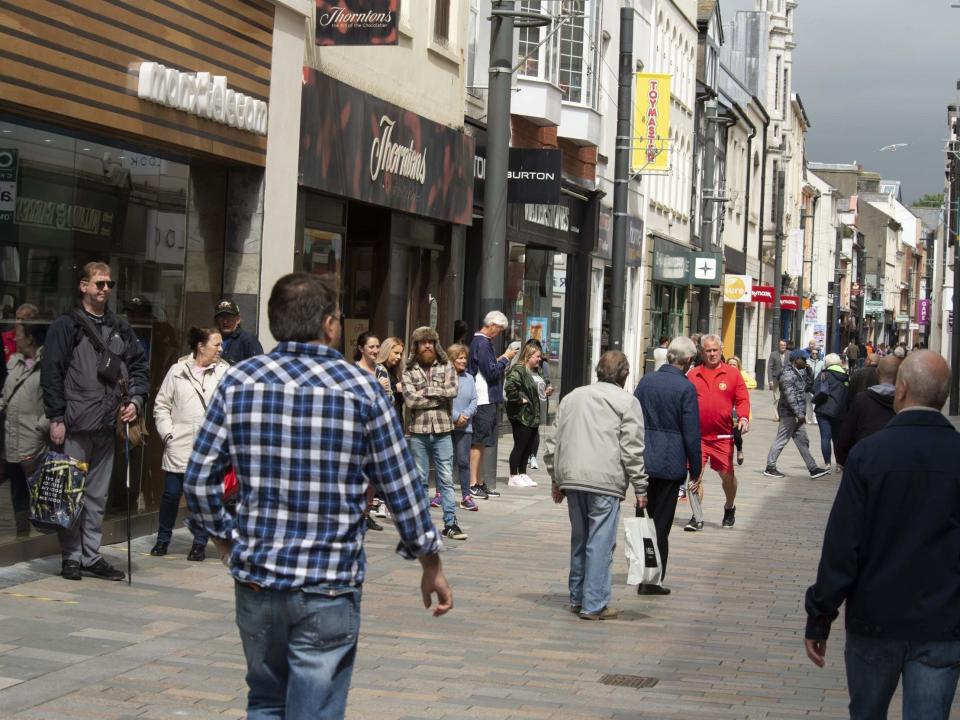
x=651, y=123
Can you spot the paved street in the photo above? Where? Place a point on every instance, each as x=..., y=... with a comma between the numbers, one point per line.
x=726, y=644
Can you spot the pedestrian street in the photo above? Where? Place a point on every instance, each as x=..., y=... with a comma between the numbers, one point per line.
x=727, y=643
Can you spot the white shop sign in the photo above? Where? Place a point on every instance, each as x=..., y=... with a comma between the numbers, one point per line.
x=203, y=95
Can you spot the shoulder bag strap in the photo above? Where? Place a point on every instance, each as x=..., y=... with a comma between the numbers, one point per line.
x=91, y=331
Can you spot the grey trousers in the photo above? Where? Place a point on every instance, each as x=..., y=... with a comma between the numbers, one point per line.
x=787, y=429
x=82, y=541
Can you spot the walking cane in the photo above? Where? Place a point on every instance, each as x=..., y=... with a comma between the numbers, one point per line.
x=126, y=446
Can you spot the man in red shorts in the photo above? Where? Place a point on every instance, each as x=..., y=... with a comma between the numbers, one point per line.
x=720, y=390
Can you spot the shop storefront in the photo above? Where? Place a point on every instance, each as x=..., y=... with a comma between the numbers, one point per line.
x=669, y=291
x=385, y=197
x=146, y=155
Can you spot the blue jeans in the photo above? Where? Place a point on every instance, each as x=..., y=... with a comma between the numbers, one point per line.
x=170, y=506
x=439, y=448
x=300, y=646
x=461, y=443
x=593, y=537
x=829, y=428
x=874, y=665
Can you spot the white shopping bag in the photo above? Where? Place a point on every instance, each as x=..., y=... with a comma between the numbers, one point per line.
x=643, y=555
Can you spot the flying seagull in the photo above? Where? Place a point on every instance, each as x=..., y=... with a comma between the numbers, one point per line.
x=893, y=148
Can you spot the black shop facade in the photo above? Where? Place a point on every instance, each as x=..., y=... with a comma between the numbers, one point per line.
x=547, y=274
x=385, y=198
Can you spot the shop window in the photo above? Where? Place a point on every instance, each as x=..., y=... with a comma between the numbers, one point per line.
x=667, y=312
x=66, y=201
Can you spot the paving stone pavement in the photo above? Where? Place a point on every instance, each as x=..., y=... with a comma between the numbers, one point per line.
x=726, y=644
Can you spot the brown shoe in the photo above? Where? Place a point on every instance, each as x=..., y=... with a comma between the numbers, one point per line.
x=608, y=613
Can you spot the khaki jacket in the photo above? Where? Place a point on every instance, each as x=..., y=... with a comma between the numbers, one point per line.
x=26, y=427
x=597, y=443
x=180, y=407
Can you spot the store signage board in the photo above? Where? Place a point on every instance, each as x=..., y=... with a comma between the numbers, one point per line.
x=355, y=145
x=202, y=94
x=9, y=159
x=672, y=267
x=706, y=268
x=873, y=307
x=533, y=176
x=789, y=302
x=357, y=22
x=650, y=151
x=923, y=312
x=763, y=294
x=737, y=288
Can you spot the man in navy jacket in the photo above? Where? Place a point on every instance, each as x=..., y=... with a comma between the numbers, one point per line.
x=890, y=551
x=671, y=421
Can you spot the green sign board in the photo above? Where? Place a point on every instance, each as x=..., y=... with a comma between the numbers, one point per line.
x=873, y=307
x=706, y=268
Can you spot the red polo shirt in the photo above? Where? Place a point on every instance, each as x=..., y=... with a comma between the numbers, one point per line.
x=719, y=391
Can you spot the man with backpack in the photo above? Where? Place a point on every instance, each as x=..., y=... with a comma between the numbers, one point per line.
x=89, y=354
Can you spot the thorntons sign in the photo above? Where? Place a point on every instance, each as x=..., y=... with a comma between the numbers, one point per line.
x=364, y=22
x=387, y=156
x=203, y=95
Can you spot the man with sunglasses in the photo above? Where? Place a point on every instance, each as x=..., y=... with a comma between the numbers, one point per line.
x=88, y=350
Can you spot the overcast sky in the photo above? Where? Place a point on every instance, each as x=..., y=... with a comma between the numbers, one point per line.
x=875, y=72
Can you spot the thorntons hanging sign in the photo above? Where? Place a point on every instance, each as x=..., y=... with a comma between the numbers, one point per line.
x=358, y=146
x=203, y=95
x=387, y=156
x=359, y=22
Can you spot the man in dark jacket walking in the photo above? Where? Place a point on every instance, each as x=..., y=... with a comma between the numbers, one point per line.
x=82, y=399
x=863, y=378
x=238, y=344
x=793, y=416
x=671, y=421
x=870, y=411
x=890, y=552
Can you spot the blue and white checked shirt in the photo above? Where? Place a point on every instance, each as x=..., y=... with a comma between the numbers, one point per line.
x=306, y=431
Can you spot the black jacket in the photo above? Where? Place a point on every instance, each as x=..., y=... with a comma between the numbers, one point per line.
x=72, y=391
x=671, y=424
x=831, y=404
x=240, y=345
x=869, y=413
x=893, y=537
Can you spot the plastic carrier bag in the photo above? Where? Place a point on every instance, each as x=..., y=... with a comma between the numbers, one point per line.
x=56, y=492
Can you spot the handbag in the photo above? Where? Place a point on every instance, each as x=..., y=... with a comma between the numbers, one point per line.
x=136, y=431
x=643, y=555
x=109, y=364
x=57, y=491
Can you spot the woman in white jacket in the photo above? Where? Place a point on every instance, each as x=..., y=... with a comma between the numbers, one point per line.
x=178, y=411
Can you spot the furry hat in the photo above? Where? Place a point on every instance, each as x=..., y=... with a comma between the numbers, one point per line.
x=420, y=335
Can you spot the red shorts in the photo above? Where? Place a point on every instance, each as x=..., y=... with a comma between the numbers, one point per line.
x=718, y=453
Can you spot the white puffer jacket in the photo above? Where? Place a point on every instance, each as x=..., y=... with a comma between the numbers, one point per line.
x=180, y=407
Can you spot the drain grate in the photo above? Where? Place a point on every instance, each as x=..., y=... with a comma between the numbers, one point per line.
x=632, y=681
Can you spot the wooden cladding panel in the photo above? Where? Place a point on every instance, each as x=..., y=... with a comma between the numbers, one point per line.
x=79, y=59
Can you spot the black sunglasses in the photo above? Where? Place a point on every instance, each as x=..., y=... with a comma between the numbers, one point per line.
x=101, y=284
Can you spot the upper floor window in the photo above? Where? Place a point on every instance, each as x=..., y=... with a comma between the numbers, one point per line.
x=536, y=60
x=579, y=54
x=473, y=41
x=441, y=22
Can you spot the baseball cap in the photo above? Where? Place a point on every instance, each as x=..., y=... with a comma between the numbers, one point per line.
x=226, y=307
x=797, y=354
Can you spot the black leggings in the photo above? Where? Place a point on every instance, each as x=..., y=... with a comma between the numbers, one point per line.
x=523, y=443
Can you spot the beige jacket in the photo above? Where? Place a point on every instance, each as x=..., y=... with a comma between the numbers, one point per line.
x=26, y=426
x=597, y=442
x=180, y=407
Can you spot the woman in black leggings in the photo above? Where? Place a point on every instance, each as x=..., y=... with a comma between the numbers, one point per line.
x=523, y=410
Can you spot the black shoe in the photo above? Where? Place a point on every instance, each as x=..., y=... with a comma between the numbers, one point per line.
x=104, y=570
x=70, y=570
x=647, y=589
x=198, y=552
x=454, y=532
x=488, y=492
x=373, y=524
x=818, y=473
x=773, y=472
x=693, y=525
x=739, y=457
x=729, y=517
x=160, y=549
x=477, y=492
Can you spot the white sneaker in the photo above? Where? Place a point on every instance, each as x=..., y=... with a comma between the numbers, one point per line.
x=529, y=480
x=533, y=464
x=381, y=510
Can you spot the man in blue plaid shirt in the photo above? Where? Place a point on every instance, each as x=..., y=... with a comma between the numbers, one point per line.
x=305, y=431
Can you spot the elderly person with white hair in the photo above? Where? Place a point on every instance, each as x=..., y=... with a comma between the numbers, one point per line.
x=488, y=370
x=830, y=402
x=671, y=421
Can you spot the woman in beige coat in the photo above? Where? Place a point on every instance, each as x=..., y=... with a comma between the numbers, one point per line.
x=25, y=425
x=178, y=411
